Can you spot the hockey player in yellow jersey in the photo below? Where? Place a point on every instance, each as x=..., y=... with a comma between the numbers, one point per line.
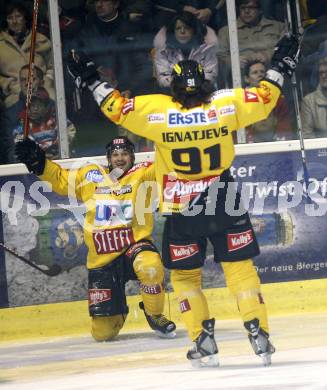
x=192, y=131
x=120, y=247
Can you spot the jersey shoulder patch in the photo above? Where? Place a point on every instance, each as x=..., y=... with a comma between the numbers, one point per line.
x=136, y=167
x=222, y=93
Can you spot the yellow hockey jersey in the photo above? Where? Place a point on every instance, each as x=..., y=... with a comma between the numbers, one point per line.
x=118, y=212
x=193, y=146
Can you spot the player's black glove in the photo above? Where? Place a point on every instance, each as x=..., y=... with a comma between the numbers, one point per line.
x=29, y=153
x=82, y=69
x=286, y=53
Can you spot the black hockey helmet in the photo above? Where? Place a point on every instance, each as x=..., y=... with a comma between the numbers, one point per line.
x=188, y=75
x=120, y=143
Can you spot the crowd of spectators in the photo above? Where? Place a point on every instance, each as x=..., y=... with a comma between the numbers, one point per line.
x=135, y=44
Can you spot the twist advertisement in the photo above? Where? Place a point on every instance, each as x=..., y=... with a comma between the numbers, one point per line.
x=288, y=214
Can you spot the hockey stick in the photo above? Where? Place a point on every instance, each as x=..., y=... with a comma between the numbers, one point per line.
x=31, y=67
x=297, y=30
x=54, y=270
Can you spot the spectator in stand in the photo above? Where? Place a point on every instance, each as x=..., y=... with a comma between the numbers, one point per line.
x=314, y=13
x=98, y=38
x=257, y=35
x=165, y=10
x=15, y=41
x=185, y=38
x=43, y=124
x=5, y=138
x=13, y=113
x=69, y=24
x=118, y=39
x=278, y=126
x=99, y=41
x=314, y=106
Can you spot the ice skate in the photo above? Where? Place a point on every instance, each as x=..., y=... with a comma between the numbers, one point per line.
x=259, y=340
x=205, y=351
x=160, y=324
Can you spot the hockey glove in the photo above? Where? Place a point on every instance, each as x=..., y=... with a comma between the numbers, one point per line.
x=29, y=153
x=286, y=53
x=82, y=69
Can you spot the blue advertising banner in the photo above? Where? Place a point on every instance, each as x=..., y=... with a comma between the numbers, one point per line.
x=289, y=221
x=289, y=218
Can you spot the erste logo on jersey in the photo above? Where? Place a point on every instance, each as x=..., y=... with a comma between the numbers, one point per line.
x=195, y=117
x=237, y=241
x=250, y=97
x=94, y=176
x=128, y=106
x=113, y=212
x=112, y=240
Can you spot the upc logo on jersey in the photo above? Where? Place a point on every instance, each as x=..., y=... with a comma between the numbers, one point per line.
x=250, y=97
x=112, y=240
x=97, y=295
x=113, y=212
x=195, y=117
x=180, y=190
x=128, y=106
x=180, y=252
x=237, y=241
x=94, y=176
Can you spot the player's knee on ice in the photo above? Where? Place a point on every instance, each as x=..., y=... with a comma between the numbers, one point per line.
x=106, y=328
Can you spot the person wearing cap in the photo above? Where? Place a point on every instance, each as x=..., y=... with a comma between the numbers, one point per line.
x=42, y=116
x=43, y=126
x=117, y=231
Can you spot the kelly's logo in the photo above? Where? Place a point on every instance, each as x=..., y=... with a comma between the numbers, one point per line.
x=237, y=241
x=96, y=295
x=180, y=252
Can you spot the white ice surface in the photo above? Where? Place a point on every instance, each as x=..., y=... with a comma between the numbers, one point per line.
x=299, y=363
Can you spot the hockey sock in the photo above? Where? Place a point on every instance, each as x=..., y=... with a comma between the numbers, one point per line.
x=244, y=283
x=192, y=302
x=149, y=271
x=107, y=327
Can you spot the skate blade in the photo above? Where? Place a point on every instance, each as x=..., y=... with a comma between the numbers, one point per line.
x=205, y=361
x=161, y=335
x=266, y=359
